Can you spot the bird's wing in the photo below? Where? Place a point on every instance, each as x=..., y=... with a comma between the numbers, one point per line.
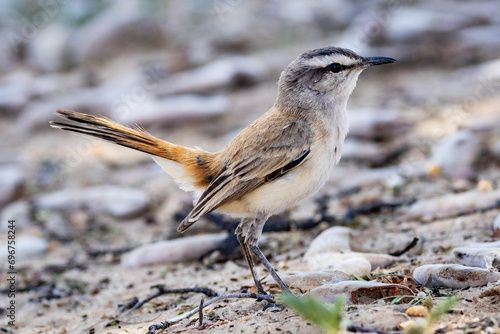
x=269, y=153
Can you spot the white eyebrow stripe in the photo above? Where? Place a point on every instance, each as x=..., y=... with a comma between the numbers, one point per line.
x=323, y=61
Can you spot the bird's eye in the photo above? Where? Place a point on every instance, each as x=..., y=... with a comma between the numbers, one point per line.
x=334, y=67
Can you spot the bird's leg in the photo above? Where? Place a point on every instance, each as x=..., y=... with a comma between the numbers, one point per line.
x=251, y=264
x=265, y=262
x=251, y=230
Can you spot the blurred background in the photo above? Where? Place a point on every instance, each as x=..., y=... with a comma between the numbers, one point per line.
x=197, y=72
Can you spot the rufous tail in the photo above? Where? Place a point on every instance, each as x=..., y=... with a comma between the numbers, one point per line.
x=196, y=163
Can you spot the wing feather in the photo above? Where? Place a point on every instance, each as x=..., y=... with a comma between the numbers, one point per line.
x=271, y=152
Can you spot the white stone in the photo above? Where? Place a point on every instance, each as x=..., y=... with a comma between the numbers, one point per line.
x=173, y=251
x=455, y=276
x=117, y=201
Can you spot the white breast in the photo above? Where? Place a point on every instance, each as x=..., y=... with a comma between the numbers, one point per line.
x=304, y=181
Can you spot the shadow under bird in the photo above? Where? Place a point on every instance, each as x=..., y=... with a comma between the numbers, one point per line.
x=280, y=159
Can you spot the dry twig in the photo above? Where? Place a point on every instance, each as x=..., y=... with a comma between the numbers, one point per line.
x=165, y=324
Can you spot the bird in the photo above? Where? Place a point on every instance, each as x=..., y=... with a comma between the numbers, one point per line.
x=280, y=159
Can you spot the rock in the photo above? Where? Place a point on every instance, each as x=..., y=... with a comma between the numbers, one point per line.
x=14, y=94
x=355, y=266
x=454, y=276
x=11, y=183
x=342, y=180
x=373, y=153
x=454, y=155
x=173, y=251
x=174, y=109
x=412, y=23
x=417, y=311
x=330, y=260
x=46, y=52
x=38, y=112
x=359, y=150
x=479, y=42
x=19, y=212
x=309, y=280
x=453, y=204
x=484, y=185
x=118, y=201
x=221, y=74
x=120, y=28
x=28, y=247
x=496, y=148
x=377, y=124
x=8, y=60
x=59, y=227
x=331, y=248
x=333, y=240
x=359, y=292
x=496, y=227
x=485, y=255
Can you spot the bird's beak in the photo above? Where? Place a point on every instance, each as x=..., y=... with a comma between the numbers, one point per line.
x=372, y=61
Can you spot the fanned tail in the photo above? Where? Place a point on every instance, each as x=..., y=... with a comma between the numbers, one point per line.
x=191, y=168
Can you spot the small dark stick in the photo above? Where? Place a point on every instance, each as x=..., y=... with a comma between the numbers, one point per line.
x=165, y=324
x=200, y=313
x=162, y=291
x=412, y=244
x=131, y=303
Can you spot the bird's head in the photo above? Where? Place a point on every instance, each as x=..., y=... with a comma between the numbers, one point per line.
x=321, y=77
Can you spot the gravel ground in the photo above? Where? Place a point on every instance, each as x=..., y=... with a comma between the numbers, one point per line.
x=195, y=74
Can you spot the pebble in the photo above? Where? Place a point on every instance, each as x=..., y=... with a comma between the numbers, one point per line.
x=417, y=311
x=18, y=211
x=330, y=260
x=356, y=266
x=331, y=248
x=173, y=251
x=361, y=150
x=484, y=185
x=221, y=74
x=309, y=280
x=496, y=227
x=11, y=183
x=486, y=255
x=366, y=151
x=46, y=52
x=453, y=204
x=113, y=32
x=454, y=155
x=332, y=240
x=28, y=247
x=341, y=179
x=8, y=60
x=175, y=109
x=120, y=202
x=454, y=276
x=411, y=23
x=376, y=124
x=496, y=148
x=14, y=94
x=59, y=227
x=39, y=112
x=330, y=292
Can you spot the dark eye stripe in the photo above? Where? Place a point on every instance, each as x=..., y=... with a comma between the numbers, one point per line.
x=336, y=67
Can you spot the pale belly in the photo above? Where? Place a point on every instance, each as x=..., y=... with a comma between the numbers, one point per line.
x=287, y=191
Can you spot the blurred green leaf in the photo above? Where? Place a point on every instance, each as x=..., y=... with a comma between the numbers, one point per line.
x=441, y=308
x=325, y=316
x=420, y=327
